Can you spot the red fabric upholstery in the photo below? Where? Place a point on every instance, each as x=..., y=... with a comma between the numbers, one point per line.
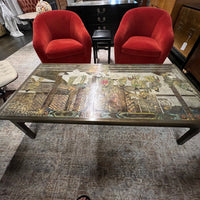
x=28, y=5
x=62, y=47
x=141, y=46
x=145, y=35
x=59, y=36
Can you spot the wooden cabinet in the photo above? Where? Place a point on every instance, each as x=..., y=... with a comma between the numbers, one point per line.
x=171, y=6
x=163, y=4
x=177, y=7
x=103, y=16
x=61, y=4
x=186, y=49
x=192, y=63
x=186, y=30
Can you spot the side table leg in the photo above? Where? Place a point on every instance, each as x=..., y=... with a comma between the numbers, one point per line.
x=25, y=129
x=94, y=51
x=109, y=44
x=188, y=135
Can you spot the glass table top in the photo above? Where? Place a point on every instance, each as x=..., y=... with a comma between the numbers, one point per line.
x=105, y=94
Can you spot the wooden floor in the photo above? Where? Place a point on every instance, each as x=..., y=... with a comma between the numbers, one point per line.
x=9, y=44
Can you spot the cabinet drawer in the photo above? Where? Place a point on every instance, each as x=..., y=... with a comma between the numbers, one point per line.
x=100, y=14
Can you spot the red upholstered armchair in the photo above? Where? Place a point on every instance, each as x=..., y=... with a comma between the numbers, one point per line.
x=59, y=36
x=145, y=35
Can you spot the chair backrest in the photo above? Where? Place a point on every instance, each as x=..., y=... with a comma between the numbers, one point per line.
x=145, y=19
x=57, y=22
x=28, y=5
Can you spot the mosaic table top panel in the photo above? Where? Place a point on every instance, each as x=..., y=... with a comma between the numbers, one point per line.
x=105, y=93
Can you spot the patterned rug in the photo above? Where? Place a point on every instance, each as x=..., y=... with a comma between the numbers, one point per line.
x=104, y=162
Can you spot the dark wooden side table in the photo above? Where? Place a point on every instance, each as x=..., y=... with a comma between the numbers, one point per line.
x=101, y=39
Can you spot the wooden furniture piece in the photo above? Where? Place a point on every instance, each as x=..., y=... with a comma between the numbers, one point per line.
x=163, y=4
x=186, y=30
x=142, y=2
x=101, y=14
x=192, y=65
x=185, y=53
x=101, y=39
x=61, y=4
x=172, y=7
x=178, y=5
x=192, y=33
x=131, y=95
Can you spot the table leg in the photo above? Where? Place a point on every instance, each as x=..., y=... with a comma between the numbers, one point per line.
x=109, y=44
x=94, y=51
x=188, y=135
x=3, y=93
x=25, y=129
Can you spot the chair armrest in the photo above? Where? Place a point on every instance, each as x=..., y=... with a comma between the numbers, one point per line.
x=79, y=32
x=163, y=34
x=41, y=37
x=125, y=29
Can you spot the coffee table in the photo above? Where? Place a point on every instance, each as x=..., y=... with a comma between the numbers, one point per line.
x=129, y=95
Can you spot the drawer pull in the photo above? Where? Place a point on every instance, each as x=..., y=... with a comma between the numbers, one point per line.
x=99, y=11
x=101, y=28
x=101, y=20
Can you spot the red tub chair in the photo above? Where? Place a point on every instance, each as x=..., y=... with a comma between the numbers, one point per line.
x=59, y=36
x=145, y=35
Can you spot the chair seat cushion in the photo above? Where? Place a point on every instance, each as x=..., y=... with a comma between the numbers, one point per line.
x=63, y=48
x=141, y=46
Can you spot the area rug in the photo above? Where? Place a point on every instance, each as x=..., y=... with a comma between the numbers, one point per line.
x=104, y=162
x=24, y=61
